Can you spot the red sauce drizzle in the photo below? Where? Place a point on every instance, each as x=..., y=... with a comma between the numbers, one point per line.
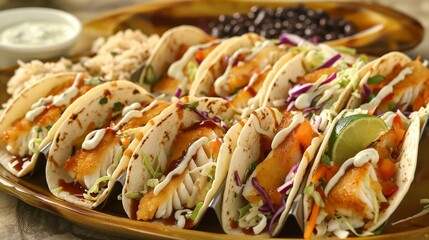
x=20, y=162
x=134, y=206
x=74, y=188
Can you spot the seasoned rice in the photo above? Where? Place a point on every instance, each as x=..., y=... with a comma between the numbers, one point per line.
x=115, y=58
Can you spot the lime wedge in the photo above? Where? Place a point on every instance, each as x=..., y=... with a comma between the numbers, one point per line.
x=352, y=134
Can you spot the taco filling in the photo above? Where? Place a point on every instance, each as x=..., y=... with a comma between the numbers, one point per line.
x=181, y=177
x=23, y=138
x=327, y=74
x=181, y=73
x=405, y=88
x=268, y=181
x=351, y=194
x=93, y=161
x=245, y=72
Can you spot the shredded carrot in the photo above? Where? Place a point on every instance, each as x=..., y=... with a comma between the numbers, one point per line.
x=199, y=55
x=320, y=172
x=331, y=171
x=311, y=222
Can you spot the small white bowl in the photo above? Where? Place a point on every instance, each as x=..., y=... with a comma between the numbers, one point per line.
x=10, y=53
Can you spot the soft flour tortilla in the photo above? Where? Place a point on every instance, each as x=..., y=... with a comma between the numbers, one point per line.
x=247, y=151
x=87, y=115
x=404, y=173
x=159, y=139
x=22, y=103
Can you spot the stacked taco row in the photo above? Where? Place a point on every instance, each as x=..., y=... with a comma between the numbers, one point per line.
x=254, y=113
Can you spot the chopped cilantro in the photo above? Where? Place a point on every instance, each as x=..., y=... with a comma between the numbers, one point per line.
x=38, y=129
x=191, y=106
x=103, y=101
x=325, y=159
x=375, y=79
x=250, y=169
x=313, y=103
x=371, y=96
x=48, y=127
x=118, y=106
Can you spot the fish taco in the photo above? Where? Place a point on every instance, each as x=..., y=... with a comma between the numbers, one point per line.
x=180, y=164
x=361, y=173
x=267, y=167
x=92, y=147
x=31, y=120
x=240, y=70
x=318, y=79
x=392, y=82
x=172, y=67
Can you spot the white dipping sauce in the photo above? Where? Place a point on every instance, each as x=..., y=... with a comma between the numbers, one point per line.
x=37, y=33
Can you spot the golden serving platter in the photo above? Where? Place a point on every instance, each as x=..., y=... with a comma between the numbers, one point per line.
x=399, y=32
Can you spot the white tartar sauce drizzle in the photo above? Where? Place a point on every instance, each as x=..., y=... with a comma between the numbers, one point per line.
x=192, y=150
x=33, y=113
x=257, y=49
x=221, y=88
x=176, y=70
x=130, y=115
x=304, y=100
x=282, y=134
x=132, y=106
x=255, y=76
x=36, y=33
x=362, y=157
x=38, y=107
x=388, y=89
x=93, y=139
x=42, y=102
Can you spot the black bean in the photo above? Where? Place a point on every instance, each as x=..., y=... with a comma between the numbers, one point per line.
x=272, y=22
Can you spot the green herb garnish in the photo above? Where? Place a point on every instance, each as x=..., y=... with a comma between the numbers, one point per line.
x=325, y=159
x=48, y=127
x=38, y=129
x=191, y=106
x=371, y=96
x=242, y=211
x=250, y=169
x=196, y=210
x=118, y=106
x=375, y=79
x=103, y=101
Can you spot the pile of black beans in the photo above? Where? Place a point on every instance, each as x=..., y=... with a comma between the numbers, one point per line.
x=313, y=25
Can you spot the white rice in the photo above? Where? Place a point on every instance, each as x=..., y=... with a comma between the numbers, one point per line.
x=115, y=58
